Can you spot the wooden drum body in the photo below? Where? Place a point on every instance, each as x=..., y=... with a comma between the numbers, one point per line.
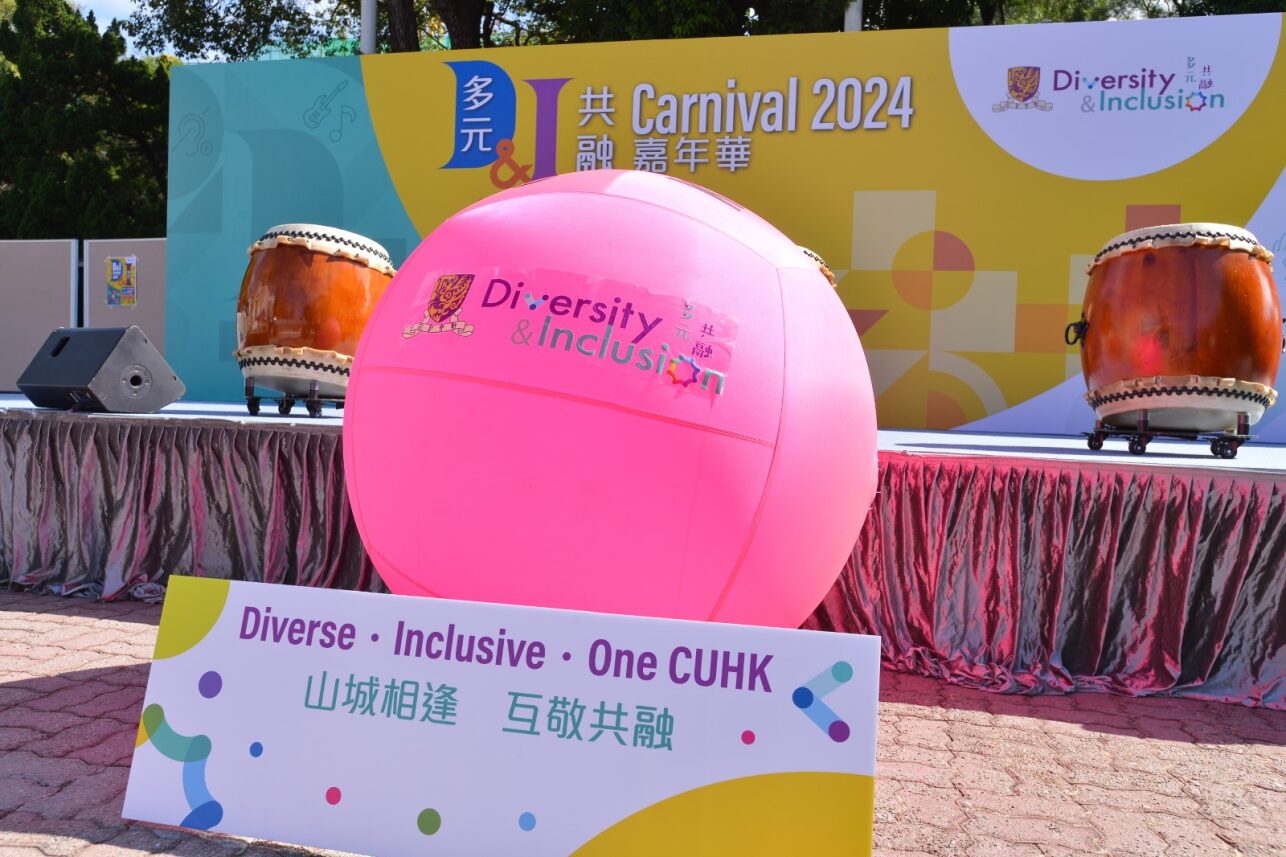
x=1182, y=322
x=305, y=298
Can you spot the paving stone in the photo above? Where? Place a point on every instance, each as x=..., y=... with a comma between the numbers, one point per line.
x=17, y=737
x=23, y=764
x=1033, y=831
x=45, y=722
x=18, y=791
x=90, y=733
x=211, y=846
x=71, y=697
x=129, y=843
x=1124, y=832
x=102, y=787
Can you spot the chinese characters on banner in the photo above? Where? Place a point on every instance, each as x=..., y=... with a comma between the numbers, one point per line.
x=653, y=153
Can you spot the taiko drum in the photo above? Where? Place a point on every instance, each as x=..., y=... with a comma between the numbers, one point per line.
x=1181, y=322
x=305, y=298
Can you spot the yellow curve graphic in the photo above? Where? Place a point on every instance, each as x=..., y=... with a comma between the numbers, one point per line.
x=192, y=607
x=797, y=813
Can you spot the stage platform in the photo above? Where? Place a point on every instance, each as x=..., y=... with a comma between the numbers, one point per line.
x=1017, y=564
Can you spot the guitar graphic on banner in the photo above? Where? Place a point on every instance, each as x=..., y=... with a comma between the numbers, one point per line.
x=315, y=115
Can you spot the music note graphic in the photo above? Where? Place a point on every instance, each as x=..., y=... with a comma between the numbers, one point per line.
x=320, y=108
x=346, y=114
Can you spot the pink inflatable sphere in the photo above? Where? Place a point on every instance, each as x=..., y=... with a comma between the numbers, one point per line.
x=612, y=391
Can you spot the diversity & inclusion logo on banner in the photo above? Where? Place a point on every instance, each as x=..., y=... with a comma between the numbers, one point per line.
x=1142, y=89
x=1127, y=98
x=1190, y=89
x=1024, y=89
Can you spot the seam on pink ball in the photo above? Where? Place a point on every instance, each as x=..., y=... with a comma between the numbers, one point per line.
x=772, y=466
x=571, y=397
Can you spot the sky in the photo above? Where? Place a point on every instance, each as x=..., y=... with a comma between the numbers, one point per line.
x=105, y=10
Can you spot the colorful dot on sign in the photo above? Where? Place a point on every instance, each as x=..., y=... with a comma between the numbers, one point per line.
x=375, y=638
x=333, y=795
x=802, y=697
x=429, y=822
x=747, y=737
x=256, y=749
x=839, y=731
x=210, y=684
x=527, y=821
x=842, y=671
x=567, y=656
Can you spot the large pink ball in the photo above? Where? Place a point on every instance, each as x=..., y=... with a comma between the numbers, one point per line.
x=612, y=391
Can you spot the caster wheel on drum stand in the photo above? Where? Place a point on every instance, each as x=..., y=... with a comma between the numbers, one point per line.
x=252, y=401
x=1095, y=442
x=285, y=406
x=1138, y=445
x=1221, y=448
x=313, y=402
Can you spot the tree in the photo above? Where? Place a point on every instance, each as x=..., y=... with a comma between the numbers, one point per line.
x=246, y=29
x=907, y=14
x=234, y=29
x=1224, y=7
x=84, y=136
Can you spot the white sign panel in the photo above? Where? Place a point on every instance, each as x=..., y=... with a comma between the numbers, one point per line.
x=392, y=725
x=1112, y=100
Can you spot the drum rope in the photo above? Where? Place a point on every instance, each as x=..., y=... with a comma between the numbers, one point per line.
x=1171, y=236
x=1256, y=398
x=326, y=236
x=291, y=362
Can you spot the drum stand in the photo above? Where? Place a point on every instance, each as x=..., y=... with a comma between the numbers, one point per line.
x=1222, y=444
x=313, y=402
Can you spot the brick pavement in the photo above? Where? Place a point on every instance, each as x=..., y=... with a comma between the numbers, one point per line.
x=960, y=772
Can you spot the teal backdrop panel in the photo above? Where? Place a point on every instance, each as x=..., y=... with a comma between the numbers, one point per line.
x=254, y=145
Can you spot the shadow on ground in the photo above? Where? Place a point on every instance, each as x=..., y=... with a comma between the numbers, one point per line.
x=1190, y=721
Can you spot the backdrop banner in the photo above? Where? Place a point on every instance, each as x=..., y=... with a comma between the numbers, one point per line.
x=957, y=181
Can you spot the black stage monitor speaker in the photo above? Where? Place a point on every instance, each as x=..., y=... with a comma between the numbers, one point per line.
x=113, y=369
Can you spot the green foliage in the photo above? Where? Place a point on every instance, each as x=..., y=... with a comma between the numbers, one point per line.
x=1044, y=11
x=228, y=29
x=1226, y=7
x=625, y=20
x=249, y=29
x=908, y=14
x=604, y=20
x=84, y=136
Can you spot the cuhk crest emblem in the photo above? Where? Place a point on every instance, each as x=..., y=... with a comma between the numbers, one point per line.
x=1024, y=89
x=443, y=312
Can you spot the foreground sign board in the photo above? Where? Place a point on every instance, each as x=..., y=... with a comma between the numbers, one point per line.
x=393, y=725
